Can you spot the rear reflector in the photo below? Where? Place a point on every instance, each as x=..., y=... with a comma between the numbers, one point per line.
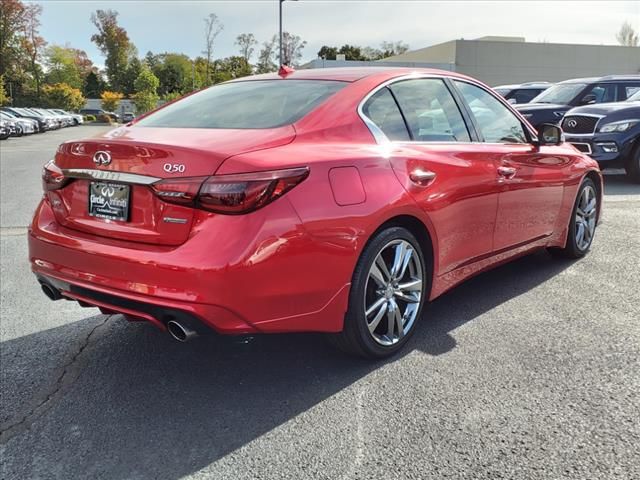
x=230, y=194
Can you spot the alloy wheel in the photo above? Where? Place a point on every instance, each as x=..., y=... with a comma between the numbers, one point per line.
x=393, y=292
x=586, y=217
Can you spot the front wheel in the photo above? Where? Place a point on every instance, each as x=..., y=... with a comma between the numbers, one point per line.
x=388, y=291
x=582, y=226
x=632, y=166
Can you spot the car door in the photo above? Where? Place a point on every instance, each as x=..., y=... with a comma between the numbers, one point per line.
x=530, y=178
x=435, y=159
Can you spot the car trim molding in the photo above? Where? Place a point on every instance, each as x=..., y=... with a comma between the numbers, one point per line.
x=89, y=174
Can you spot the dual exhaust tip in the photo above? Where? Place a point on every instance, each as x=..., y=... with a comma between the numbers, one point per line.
x=178, y=330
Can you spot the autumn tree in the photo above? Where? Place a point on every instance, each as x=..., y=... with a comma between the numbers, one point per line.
x=67, y=65
x=113, y=41
x=32, y=42
x=627, y=36
x=110, y=100
x=12, y=24
x=4, y=99
x=212, y=28
x=246, y=42
x=61, y=95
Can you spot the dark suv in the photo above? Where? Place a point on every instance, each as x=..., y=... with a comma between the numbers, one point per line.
x=610, y=133
x=522, y=93
x=551, y=105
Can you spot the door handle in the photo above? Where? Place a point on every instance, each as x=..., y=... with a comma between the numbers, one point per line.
x=422, y=177
x=507, y=172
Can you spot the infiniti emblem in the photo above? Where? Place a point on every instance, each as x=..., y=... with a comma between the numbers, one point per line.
x=572, y=123
x=102, y=158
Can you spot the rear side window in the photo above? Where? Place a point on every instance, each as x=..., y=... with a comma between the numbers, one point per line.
x=496, y=122
x=383, y=110
x=248, y=104
x=430, y=110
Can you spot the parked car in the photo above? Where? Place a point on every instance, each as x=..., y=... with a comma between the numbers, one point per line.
x=63, y=120
x=44, y=124
x=23, y=126
x=522, y=93
x=128, y=117
x=325, y=200
x=5, y=132
x=551, y=105
x=76, y=118
x=99, y=111
x=609, y=133
x=54, y=121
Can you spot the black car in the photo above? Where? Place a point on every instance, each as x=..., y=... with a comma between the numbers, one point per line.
x=609, y=133
x=98, y=111
x=551, y=105
x=522, y=93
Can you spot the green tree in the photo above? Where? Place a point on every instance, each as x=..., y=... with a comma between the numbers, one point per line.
x=175, y=72
x=61, y=95
x=292, y=46
x=130, y=75
x=328, y=53
x=4, y=99
x=114, y=43
x=62, y=66
x=93, y=85
x=12, y=24
x=230, y=68
x=110, y=100
x=146, y=85
x=247, y=43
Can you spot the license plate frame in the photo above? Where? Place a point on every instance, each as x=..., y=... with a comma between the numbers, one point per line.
x=109, y=201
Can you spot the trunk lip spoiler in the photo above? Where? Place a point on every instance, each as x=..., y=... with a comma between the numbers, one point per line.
x=110, y=175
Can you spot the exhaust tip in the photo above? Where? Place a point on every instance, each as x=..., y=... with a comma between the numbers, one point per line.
x=180, y=332
x=50, y=292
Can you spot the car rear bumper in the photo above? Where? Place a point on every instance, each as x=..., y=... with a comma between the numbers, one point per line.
x=255, y=280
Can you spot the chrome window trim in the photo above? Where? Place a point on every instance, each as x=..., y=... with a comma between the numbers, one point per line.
x=380, y=137
x=110, y=175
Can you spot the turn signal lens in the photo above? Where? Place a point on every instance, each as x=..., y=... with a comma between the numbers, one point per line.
x=53, y=177
x=247, y=192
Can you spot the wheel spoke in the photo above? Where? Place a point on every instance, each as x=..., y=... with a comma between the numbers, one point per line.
x=376, y=305
x=383, y=268
x=376, y=274
x=391, y=320
x=411, y=286
x=399, y=322
x=580, y=234
x=406, y=297
x=376, y=320
x=400, y=252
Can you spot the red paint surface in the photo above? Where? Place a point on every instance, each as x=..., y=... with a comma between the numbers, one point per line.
x=288, y=266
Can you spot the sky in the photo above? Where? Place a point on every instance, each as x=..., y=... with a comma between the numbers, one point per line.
x=178, y=25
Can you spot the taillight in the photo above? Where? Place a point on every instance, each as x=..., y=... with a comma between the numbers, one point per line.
x=53, y=177
x=230, y=194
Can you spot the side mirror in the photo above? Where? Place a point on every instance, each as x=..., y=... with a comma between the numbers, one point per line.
x=512, y=101
x=549, y=134
x=589, y=99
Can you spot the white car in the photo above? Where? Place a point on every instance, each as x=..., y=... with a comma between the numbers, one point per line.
x=77, y=119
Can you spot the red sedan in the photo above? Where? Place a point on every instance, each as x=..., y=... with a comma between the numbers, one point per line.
x=333, y=200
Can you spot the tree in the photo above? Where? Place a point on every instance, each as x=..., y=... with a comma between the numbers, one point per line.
x=65, y=65
x=4, y=99
x=93, y=85
x=114, y=43
x=292, y=46
x=266, y=58
x=230, y=68
x=146, y=85
x=110, y=100
x=176, y=73
x=389, y=49
x=130, y=75
x=12, y=23
x=32, y=42
x=627, y=36
x=372, y=54
x=61, y=95
x=246, y=42
x=328, y=53
x=212, y=28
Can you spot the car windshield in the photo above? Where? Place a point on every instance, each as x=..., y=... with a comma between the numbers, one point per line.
x=246, y=104
x=561, y=93
x=635, y=97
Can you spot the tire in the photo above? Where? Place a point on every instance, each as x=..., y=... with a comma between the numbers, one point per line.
x=582, y=225
x=632, y=165
x=394, y=311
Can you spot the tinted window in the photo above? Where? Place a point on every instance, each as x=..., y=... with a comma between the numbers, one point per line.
x=496, y=122
x=601, y=93
x=248, y=104
x=430, y=110
x=383, y=110
x=629, y=90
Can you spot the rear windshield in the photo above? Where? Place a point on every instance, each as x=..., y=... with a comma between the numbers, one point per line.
x=248, y=104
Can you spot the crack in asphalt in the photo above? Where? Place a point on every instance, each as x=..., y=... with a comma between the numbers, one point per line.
x=69, y=374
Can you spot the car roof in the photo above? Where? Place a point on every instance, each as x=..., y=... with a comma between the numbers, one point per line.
x=348, y=74
x=606, y=78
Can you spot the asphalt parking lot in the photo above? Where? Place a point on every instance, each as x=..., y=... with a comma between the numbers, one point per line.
x=530, y=371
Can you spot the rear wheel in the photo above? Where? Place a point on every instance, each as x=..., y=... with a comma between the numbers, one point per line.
x=582, y=226
x=632, y=166
x=388, y=292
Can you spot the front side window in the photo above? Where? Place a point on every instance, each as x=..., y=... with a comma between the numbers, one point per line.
x=496, y=122
x=383, y=110
x=245, y=105
x=430, y=110
x=601, y=93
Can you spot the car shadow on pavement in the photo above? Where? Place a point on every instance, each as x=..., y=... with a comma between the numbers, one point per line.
x=619, y=184
x=144, y=406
